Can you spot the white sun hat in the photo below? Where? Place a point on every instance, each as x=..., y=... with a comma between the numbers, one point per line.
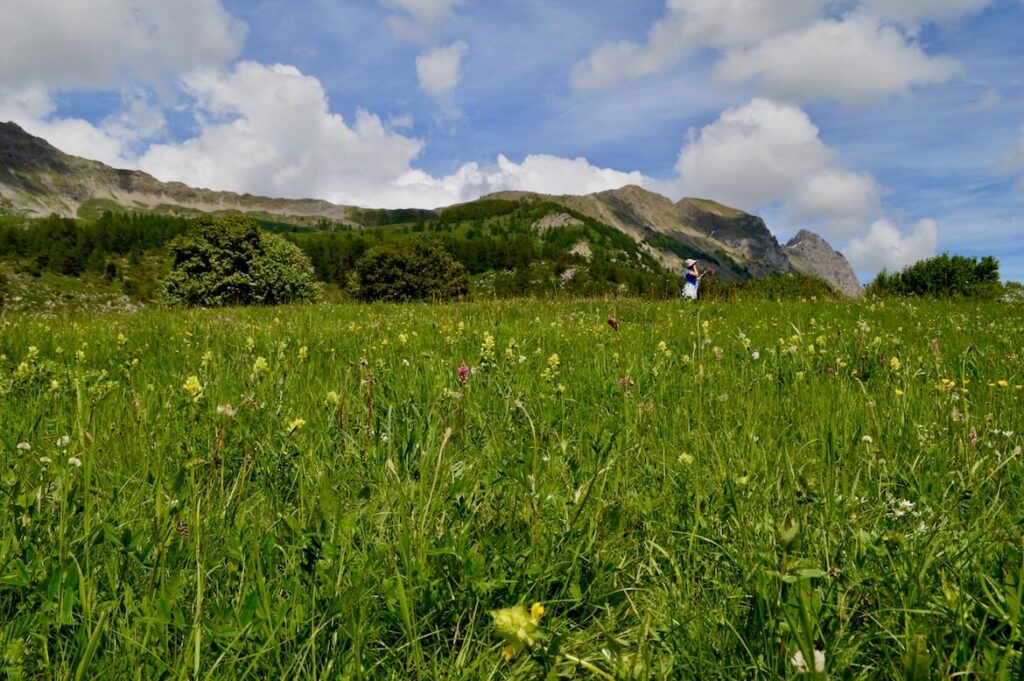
x=689, y=262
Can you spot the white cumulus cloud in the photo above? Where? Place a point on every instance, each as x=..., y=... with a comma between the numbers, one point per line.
x=438, y=69
x=767, y=152
x=129, y=46
x=853, y=59
x=99, y=43
x=690, y=25
x=269, y=130
x=796, y=48
x=886, y=247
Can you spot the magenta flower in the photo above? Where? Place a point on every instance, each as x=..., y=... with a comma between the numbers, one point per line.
x=463, y=373
x=614, y=323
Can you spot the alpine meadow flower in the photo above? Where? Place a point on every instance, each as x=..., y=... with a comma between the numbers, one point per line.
x=800, y=664
x=519, y=627
x=193, y=388
x=463, y=373
x=487, y=351
x=550, y=372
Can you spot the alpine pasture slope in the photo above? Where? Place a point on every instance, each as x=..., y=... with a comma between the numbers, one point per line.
x=744, y=490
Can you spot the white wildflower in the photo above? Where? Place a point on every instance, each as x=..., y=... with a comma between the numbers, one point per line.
x=800, y=664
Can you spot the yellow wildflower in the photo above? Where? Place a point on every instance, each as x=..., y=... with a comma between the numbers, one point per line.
x=259, y=366
x=550, y=372
x=518, y=627
x=295, y=425
x=193, y=387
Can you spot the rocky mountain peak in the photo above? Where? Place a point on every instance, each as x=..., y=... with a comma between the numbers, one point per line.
x=747, y=234
x=811, y=254
x=18, y=149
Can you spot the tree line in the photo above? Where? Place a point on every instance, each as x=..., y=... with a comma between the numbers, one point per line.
x=71, y=247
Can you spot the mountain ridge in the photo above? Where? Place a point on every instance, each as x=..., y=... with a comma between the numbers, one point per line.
x=36, y=178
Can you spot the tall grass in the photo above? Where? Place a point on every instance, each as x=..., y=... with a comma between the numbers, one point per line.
x=704, y=493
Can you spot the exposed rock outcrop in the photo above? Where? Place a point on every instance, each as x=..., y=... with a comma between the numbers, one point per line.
x=810, y=254
x=743, y=233
x=555, y=221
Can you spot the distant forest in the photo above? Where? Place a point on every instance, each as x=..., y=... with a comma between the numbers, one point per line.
x=494, y=240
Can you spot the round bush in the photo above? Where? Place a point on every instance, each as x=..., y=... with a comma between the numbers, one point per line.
x=230, y=260
x=415, y=269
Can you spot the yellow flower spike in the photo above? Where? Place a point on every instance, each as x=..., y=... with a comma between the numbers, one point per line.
x=537, y=611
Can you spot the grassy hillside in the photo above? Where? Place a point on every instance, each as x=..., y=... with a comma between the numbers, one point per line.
x=314, y=492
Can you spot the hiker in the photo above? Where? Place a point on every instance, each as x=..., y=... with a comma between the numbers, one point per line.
x=692, y=279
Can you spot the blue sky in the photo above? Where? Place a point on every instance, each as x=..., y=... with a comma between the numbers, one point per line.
x=895, y=128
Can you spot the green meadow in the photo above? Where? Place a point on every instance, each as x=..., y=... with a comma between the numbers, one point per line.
x=724, y=490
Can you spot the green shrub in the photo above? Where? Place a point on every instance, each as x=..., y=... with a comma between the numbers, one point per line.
x=416, y=269
x=231, y=261
x=942, y=276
